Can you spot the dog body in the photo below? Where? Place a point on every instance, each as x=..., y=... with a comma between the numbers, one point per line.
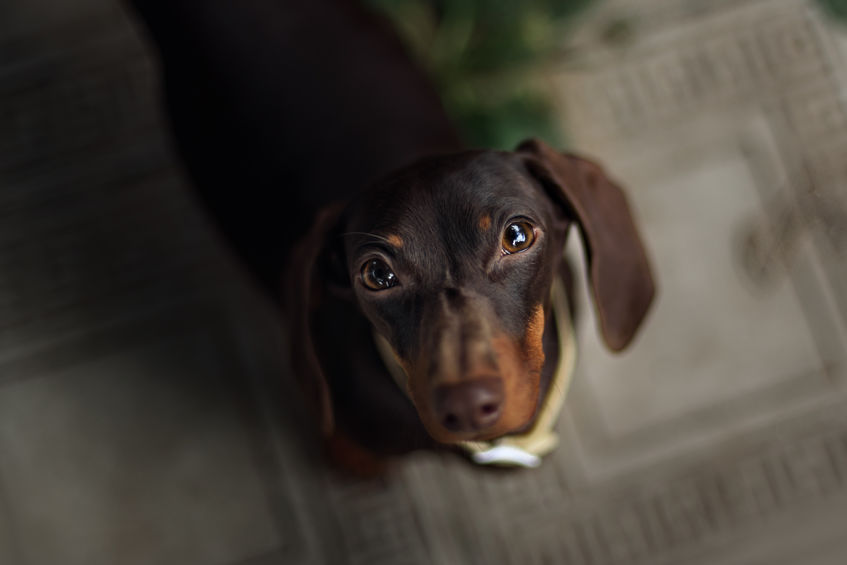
x=388, y=230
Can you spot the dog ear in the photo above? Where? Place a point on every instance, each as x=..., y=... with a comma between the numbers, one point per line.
x=312, y=272
x=618, y=268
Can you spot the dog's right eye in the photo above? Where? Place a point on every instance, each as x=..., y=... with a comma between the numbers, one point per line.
x=377, y=275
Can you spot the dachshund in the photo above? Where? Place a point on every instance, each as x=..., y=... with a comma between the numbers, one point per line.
x=417, y=278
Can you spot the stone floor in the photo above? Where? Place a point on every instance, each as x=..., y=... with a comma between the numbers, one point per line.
x=147, y=415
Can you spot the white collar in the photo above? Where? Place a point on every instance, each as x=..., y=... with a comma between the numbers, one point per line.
x=519, y=450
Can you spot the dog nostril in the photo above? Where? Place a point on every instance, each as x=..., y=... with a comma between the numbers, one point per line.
x=487, y=415
x=470, y=406
x=451, y=422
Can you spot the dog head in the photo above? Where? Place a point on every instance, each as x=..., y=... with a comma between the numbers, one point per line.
x=452, y=259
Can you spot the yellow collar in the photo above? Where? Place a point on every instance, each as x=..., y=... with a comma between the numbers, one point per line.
x=521, y=450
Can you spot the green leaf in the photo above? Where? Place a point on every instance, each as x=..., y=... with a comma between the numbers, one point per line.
x=479, y=54
x=836, y=8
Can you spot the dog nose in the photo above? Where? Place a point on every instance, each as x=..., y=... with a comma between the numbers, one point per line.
x=471, y=406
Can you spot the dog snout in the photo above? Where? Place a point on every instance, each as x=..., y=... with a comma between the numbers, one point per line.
x=471, y=406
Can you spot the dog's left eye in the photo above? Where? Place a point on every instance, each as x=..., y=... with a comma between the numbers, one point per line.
x=517, y=237
x=377, y=275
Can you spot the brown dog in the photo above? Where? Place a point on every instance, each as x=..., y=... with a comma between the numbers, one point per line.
x=306, y=130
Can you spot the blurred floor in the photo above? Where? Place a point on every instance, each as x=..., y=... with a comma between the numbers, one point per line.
x=147, y=415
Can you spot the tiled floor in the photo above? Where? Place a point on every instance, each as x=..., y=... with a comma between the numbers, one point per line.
x=147, y=415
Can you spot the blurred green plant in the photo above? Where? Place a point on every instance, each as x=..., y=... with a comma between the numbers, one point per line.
x=485, y=56
x=836, y=8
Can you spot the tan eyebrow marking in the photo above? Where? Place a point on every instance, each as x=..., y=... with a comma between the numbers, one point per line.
x=395, y=240
x=484, y=222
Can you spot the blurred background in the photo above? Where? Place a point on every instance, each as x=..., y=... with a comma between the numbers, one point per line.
x=147, y=414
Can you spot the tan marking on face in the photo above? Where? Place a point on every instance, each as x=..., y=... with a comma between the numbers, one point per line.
x=395, y=240
x=533, y=346
x=521, y=383
x=485, y=222
x=405, y=366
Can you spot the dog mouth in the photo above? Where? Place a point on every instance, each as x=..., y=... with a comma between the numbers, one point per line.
x=444, y=433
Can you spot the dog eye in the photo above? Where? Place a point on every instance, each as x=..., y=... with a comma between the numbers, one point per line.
x=377, y=275
x=517, y=237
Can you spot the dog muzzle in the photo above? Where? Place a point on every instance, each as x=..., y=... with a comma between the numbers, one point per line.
x=527, y=449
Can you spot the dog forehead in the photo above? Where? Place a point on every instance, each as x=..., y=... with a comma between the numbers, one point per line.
x=437, y=216
x=439, y=190
x=476, y=180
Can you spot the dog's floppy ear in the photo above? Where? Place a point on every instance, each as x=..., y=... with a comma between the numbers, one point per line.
x=618, y=268
x=309, y=276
